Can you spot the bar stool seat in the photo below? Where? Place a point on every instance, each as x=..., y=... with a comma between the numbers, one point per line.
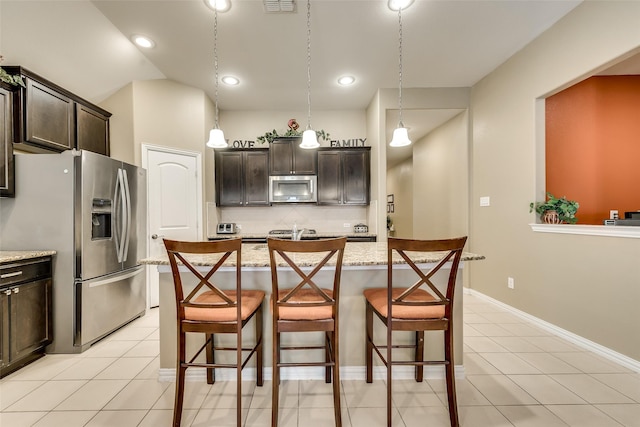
x=251, y=300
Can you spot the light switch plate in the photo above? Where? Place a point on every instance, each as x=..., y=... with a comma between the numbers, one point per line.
x=485, y=201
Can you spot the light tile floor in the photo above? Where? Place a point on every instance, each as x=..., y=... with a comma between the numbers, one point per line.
x=516, y=375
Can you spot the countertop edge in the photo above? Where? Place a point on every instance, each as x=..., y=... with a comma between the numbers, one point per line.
x=12, y=256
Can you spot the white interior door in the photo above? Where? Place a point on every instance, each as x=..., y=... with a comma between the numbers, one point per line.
x=174, y=202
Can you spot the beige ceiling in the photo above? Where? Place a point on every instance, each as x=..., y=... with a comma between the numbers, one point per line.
x=84, y=45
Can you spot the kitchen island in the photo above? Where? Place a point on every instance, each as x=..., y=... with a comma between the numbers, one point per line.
x=364, y=266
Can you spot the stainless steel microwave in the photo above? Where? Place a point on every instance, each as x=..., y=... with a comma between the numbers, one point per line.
x=293, y=189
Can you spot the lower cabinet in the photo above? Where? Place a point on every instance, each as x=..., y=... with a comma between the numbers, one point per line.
x=242, y=177
x=25, y=312
x=344, y=176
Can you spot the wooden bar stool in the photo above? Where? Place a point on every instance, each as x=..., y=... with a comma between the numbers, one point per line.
x=210, y=310
x=301, y=305
x=414, y=308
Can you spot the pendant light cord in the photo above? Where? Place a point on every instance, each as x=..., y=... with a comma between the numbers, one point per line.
x=215, y=58
x=400, y=66
x=309, y=64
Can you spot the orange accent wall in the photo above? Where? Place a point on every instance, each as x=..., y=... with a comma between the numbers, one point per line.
x=593, y=146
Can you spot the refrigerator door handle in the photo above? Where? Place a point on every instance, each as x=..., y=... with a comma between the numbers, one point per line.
x=120, y=216
x=110, y=280
x=127, y=211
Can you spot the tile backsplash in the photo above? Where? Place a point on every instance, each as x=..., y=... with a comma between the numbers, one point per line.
x=257, y=220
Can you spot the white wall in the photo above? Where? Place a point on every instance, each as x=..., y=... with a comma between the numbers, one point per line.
x=585, y=284
x=441, y=181
x=400, y=180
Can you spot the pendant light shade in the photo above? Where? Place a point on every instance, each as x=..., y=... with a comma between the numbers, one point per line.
x=216, y=136
x=400, y=134
x=309, y=139
x=216, y=139
x=400, y=137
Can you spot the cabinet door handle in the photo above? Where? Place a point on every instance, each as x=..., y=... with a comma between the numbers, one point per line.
x=16, y=290
x=7, y=275
x=7, y=292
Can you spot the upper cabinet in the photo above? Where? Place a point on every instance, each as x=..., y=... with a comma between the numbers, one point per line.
x=92, y=129
x=49, y=118
x=242, y=177
x=6, y=137
x=344, y=176
x=287, y=158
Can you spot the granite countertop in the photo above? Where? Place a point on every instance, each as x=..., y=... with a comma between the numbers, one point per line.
x=11, y=256
x=355, y=254
x=318, y=234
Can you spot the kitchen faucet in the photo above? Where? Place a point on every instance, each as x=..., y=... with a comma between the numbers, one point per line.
x=297, y=234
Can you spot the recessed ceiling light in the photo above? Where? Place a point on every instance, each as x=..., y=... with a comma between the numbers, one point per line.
x=143, y=41
x=346, y=80
x=220, y=5
x=399, y=4
x=230, y=80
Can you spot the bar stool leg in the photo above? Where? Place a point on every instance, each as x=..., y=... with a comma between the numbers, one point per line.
x=369, y=343
x=328, y=348
x=275, y=379
x=450, y=377
x=259, y=362
x=180, y=373
x=336, y=379
x=211, y=372
x=419, y=355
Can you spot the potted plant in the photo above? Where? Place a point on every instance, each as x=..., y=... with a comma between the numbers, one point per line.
x=8, y=78
x=294, y=130
x=556, y=210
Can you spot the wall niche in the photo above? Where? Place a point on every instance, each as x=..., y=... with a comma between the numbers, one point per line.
x=593, y=145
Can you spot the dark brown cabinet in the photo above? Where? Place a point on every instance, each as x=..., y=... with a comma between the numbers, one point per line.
x=344, y=176
x=287, y=158
x=242, y=177
x=25, y=312
x=7, y=174
x=92, y=130
x=49, y=118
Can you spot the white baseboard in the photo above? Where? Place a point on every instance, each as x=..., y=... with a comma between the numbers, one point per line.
x=310, y=373
x=601, y=350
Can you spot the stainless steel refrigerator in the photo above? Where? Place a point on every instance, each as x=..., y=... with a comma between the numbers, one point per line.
x=91, y=209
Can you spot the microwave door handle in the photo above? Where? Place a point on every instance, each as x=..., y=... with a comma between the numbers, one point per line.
x=127, y=212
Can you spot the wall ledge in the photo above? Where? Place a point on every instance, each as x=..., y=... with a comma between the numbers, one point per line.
x=588, y=230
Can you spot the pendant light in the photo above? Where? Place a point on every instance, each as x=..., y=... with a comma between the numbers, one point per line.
x=309, y=137
x=400, y=134
x=216, y=136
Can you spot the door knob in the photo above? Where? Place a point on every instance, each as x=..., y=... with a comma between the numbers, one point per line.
x=155, y=236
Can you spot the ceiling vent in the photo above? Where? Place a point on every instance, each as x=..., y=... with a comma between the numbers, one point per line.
x=279, y=6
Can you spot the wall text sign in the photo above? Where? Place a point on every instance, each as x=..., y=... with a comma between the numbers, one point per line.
x=355, y=142
x=238, y=143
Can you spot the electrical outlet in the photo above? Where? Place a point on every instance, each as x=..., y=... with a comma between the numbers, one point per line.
x=510, y=283
x=485, y=201
x=613, y=214
x=346, y=225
